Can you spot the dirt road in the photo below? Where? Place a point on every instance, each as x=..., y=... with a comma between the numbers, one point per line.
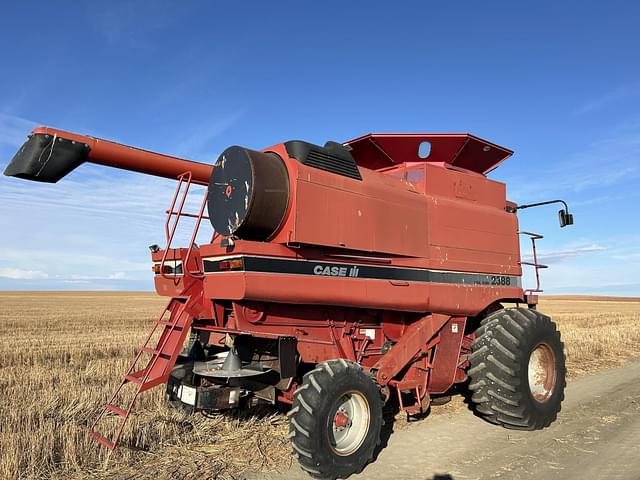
x=596, y=436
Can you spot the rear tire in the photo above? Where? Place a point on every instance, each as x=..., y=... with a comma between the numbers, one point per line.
x=517, y=369
x=335, y=420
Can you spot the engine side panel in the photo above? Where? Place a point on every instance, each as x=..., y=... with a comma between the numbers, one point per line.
x=368, y=215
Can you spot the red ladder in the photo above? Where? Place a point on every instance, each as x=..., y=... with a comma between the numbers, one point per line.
x=156, y=371
x=175, y=329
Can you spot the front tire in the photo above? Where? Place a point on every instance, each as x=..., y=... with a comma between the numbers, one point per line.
x=335, y=420
x=517, y=369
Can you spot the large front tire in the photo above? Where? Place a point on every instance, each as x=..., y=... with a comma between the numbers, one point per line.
x=517, y=369
x=335, y=420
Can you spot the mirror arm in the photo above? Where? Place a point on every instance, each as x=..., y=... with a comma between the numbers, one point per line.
x=566, y=207
x=565, y=217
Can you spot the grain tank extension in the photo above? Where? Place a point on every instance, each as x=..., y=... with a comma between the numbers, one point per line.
x=338, y=279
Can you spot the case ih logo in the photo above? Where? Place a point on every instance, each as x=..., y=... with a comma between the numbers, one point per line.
x=334, y=271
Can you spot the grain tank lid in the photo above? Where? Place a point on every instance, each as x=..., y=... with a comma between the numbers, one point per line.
x=381, y=150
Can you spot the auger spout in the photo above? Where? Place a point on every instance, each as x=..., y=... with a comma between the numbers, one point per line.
x=50, y=154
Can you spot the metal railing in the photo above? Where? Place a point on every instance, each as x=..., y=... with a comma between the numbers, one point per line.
x=537, y=266
x=182, y=191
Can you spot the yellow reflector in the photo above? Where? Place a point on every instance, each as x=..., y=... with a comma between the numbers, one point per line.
x=235, y=263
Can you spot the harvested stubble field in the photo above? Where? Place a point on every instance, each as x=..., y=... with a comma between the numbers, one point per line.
x=62, y=353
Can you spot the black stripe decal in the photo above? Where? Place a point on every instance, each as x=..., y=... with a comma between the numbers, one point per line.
x=346, y=270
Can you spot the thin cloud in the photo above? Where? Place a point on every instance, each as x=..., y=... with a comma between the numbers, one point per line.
x=19, y=274
x=603, y=199
x=99, y=223
x=86, y=278
x=129, y=24
x=561, y=255
x=14, y=130
x=61, y=265
x=629, y=257
x=613, y=96
x=607, y=162
x=584, y=271
x=613, y=289
x=102, y=202
x=201, y=136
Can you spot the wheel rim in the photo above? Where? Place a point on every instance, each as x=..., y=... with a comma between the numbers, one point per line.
x=542, y=372
x=349, y=423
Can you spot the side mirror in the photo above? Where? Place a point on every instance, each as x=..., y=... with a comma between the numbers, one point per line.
x=565, y=218
x=563, y=214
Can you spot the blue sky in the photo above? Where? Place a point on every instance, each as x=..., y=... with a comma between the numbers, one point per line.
x=558, y=82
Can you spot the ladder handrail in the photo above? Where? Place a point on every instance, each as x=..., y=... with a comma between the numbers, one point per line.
x=536, y=266
x=170, y=235
x=181, y=180
x=192, y=242
x=185, y=178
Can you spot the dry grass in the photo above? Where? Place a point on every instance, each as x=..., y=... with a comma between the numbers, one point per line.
x=62, y=353
x=597, y=333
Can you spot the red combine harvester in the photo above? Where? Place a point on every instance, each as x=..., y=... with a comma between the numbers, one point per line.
x=338, y=278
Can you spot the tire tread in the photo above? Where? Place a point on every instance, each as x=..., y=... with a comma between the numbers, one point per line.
x=498, y=393
x=307, y=402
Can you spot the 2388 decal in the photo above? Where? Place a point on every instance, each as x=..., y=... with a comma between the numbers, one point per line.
x=499, y=280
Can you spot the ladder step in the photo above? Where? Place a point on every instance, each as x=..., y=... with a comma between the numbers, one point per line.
x=105, y=442
x=116, y=410
x=154, y=351
x=134, y=379
x=152, y=382
x=169, y=323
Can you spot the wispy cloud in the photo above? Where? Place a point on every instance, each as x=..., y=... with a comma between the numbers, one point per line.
x=603, y=199
x=19, y=274
x=593, y=267
x=595, y=287
x=555, y=256
x=629, y=257
x=14, y=130
x=609, y=161
x=199, y=137
x=132, y=24
x=98, y=192
x=76, y=278
x=606, y=99
x=572, y=277
x=97, y=223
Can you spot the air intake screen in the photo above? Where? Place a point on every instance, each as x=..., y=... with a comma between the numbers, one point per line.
x=333, y=157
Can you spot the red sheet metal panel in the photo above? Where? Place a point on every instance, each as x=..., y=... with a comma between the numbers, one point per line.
x=470, y=229
x=377, y=214
x=463, y=150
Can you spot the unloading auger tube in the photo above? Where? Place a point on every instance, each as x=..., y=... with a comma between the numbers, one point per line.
x=50, y=154
x=343, y=277
x=248, y=191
